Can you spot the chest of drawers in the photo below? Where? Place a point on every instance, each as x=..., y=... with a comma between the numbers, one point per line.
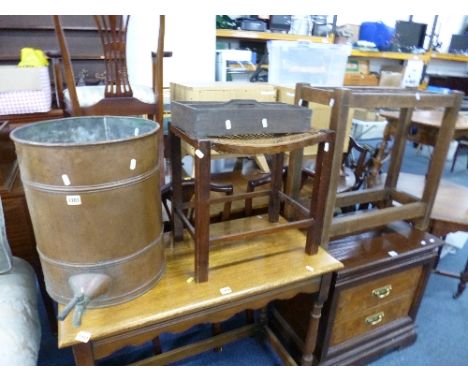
x=373, y=300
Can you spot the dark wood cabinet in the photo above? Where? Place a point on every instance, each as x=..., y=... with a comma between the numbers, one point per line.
x=373, y=300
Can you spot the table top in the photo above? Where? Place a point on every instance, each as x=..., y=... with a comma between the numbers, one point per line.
x=451, y=202
x=250, y=268
x=432, y=118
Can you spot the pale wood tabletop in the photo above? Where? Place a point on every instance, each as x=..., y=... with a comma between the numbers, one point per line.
x=247, y=267
x=451, y=202
x=432, y=118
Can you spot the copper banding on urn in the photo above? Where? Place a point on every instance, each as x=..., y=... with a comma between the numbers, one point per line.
x=93, y=193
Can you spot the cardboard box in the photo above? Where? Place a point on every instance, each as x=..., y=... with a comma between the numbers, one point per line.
x=357, y=79
x=357, y=66
x=223, y=91
x=391, y=79
x=391, y=76
x=351, y=31
x=24, y=90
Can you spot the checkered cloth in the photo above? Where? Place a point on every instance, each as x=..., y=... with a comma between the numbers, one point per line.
x=28, y=101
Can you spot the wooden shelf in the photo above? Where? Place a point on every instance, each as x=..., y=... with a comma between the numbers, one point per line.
x=265, y=36
x=448, y=57
x=388, y=55
x=408, y=56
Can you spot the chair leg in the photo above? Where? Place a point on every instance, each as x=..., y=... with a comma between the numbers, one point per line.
x=455, y=155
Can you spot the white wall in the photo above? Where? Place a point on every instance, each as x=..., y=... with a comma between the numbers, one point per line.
x=192, y=41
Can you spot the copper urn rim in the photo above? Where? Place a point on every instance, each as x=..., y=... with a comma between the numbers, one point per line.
x=69, y=120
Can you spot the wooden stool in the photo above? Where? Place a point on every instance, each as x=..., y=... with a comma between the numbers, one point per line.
x=251, y=145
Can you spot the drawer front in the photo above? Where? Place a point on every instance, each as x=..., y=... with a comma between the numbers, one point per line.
x=374, y=293
x=371, y=319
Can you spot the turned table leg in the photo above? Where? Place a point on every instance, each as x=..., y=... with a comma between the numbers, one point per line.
x=315, y=314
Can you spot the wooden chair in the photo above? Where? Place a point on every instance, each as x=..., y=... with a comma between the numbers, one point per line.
x=117, y=96
x=356, y=159
x=462, y=144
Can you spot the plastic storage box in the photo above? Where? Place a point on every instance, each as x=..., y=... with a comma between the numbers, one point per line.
x=290, y=62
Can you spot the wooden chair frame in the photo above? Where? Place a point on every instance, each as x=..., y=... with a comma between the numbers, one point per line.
x=118, y=99
x=407, y=207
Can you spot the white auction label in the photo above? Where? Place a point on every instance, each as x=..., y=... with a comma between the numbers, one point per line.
x=133, y=164
x=225, y=290
x=73, y=200
x=66, y=180
x=392, y=253
x=83, y=336
x=199, y=153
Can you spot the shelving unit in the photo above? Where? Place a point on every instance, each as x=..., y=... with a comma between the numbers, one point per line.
x=426, y=57
x=266, y=36
x=388, y=55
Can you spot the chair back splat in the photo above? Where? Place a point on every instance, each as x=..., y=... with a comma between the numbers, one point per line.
x=113, y=33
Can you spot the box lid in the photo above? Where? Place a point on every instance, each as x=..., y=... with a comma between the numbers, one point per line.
x=13, y=78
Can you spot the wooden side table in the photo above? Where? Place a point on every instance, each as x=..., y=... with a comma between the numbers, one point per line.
x=428, y=123
x=244, y=275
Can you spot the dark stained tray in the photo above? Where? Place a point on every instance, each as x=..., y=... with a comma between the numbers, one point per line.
x=239, y=117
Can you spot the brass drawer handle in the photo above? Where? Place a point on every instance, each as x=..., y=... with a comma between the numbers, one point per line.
x=375, y=319
x=382, y=292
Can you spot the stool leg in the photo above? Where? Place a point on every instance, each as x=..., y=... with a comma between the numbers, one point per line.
x=202, y=210
x=319, y=196
x=276, y=180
